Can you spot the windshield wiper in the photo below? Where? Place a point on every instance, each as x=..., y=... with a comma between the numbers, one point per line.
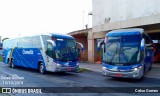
x=74, y=58
x=124, y=55
x=66, y=53
x=114, y=55
x=105, y=61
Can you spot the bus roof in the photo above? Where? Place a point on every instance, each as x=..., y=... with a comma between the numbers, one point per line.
x=55, y=35
x=58, y=35
x=121, y=32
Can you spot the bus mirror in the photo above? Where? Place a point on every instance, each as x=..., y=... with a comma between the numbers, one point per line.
x=82, y=47
x=142, y=44
x=52, y=42
x=99, y=44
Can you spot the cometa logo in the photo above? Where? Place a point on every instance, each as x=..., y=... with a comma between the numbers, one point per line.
x=27, y=52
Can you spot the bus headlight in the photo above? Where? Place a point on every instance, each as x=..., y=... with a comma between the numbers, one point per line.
x=77, y=64
x=136, y=68
x=58, y=66
x=104, y=68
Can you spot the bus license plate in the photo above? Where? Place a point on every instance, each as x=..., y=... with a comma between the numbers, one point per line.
x=118, y=75
x=69, y=69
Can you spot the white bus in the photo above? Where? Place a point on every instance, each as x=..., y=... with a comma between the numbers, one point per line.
x=52, y=52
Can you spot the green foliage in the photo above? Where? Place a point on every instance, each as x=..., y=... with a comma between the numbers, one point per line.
x=86, y=34
x=82, y=70
x=100, y=52
x=0, y=58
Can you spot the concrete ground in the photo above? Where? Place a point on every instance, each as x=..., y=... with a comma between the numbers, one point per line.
x=154, y=73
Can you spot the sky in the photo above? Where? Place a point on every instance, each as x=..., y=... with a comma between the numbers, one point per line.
x=26, y=17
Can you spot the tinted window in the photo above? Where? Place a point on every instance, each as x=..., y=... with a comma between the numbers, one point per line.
x=44, y=39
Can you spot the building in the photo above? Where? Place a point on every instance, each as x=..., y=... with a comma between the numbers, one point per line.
x=116, y=14
x=108, y=15
x=81, y=36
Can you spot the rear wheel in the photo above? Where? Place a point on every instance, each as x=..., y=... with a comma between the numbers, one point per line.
x=9, y=63
x=41, y=68
x=12, y=64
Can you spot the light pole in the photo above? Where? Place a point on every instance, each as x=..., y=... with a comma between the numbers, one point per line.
x=83, y=19
x=89, y=13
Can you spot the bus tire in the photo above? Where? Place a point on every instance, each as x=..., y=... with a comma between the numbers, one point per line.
x=12, y=64
x=9, y=63
x=41, y=68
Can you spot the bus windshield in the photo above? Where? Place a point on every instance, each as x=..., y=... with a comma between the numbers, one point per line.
x=66, y=50
x=122, y=50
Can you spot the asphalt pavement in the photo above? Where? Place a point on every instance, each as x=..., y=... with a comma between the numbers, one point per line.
x=92, y=78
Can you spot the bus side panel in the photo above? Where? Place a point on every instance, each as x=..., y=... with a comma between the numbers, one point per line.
x=27, y=57
x=6, y=55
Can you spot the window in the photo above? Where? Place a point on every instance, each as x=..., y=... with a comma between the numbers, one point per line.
x=36, y=42
x=44, y=39
x=50, y=52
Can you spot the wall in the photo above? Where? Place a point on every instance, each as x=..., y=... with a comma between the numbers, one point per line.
x=83, y=40
x=115, y=14
x=120, y=10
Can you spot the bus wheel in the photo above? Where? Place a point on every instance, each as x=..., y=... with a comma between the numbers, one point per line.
x=8, y=63
x=12, y=64
x=41, y=68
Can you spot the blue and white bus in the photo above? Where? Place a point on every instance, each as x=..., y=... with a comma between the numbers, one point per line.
x=47, y=52
x=127, y=53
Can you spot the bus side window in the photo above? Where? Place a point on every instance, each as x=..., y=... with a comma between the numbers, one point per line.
x=50, y=51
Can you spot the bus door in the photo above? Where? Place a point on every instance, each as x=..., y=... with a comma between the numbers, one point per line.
x=50, y=66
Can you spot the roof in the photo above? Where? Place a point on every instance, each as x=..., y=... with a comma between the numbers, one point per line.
x=62, y=36
x=79, y=31
x=121, y=32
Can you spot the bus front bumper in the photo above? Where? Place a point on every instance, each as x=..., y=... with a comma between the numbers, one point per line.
x=137, y=74
x=67, y=69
